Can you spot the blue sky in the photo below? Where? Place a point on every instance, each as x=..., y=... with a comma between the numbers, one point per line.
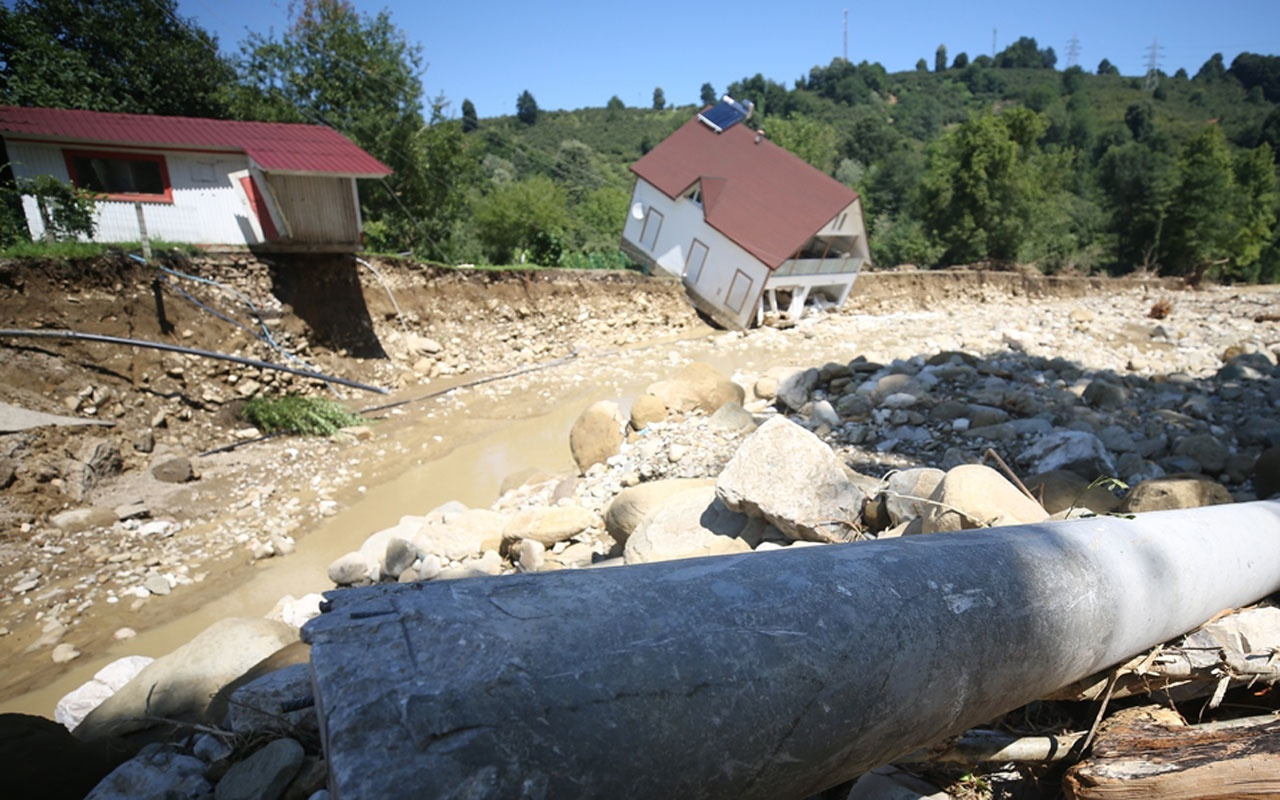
x=577, y=54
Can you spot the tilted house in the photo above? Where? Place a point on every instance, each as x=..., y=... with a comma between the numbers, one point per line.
x=272, y=186
x=749, y=227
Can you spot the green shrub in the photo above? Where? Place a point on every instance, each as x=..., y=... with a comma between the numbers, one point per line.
x=310, y=416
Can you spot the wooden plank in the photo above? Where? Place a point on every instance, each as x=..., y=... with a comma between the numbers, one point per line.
x=1140, y=756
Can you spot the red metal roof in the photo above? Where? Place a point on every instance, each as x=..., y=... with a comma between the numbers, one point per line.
x=759, y=195
x=274, y=146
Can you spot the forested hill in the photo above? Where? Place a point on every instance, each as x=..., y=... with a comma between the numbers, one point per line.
x=990, y=160
x=996, y=160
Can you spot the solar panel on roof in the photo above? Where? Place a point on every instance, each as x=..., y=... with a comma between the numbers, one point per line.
x=725, y=114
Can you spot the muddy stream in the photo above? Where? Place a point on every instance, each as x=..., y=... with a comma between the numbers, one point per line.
x=489, y=433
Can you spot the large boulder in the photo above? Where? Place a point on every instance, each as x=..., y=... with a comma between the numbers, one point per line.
x=1060, y=490
x=693, y=523
x=633, y=505
x=596, y=435
x=795, y=386
x=548, y=525
x=1175, y=491
x=697, y=387
x=907, y=492
x=1075, y=451
x=976, y=496
x=76, y=704
x=647, y=410
x=1266, y=473
x=180, y=685
x=786, y=475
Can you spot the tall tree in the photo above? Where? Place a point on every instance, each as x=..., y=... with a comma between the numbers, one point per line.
x=526, y=108
x=512, y=216
x=940, y=59
x=811, y=140
x=359, y=75
x=135, y=56
x=1202, y=221
x=1136, y=182
x=708, y=94
x=469, y=119
x=1105, y=67
x=1211, y=71
x=659, y=99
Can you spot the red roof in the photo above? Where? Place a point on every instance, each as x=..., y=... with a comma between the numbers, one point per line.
x=762, y=197
x=274, y=146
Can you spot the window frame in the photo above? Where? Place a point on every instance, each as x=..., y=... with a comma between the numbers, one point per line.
x=69, y=155
x=649, y=217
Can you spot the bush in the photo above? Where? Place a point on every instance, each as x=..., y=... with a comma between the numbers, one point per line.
x=67, y=211
x=304, y=415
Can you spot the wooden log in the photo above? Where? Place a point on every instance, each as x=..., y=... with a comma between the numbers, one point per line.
x=1139, y=756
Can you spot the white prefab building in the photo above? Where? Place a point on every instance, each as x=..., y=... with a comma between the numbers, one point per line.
x=215, y=183
x=748, y=227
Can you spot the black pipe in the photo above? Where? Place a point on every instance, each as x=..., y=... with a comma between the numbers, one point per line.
x=173, y=348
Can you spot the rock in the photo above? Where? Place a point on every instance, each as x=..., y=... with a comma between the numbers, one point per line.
x=93, y=461
x=1266, y=473
x=896, y=384
x=824, y=414
x=76, y=704
x=467, y=533
x=631, y=506
x=172, y=468
x=263, y=776
x=1074, y=451
x=1207, y=450
x=260, y=704
x=766, y=387
x=41, y=759
x=156, y=584
x=1060, y=490
x=1175, y=491
x=596, y=435
x=694, y=523
x=296, y=611
x=976, y=496
x=178, y=686
x=80, y=519
x=354, y=569
x=892, y=783
x=400, y=556
x=731, y=417
x=549, y=525
x=157, y=772
x=795, y=386
x=907, y=493
x=65, y=653
x=697, y=387
x=530, y=554
x=1105, y=395
x=786, y=475
x=647, y=410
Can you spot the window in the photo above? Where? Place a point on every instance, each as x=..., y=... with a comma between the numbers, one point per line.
x=652, y=224
x=695, y=196
x=121, y=176
x=697, y=257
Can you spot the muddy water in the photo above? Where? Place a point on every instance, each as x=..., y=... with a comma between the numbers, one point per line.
x=491, y=432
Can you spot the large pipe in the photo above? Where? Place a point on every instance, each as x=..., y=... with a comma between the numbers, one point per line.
x=762, y=675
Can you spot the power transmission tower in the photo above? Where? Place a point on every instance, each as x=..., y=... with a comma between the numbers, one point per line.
x=846, y=34
x=1073, y=51
x=993, y=42
x=1153, y=67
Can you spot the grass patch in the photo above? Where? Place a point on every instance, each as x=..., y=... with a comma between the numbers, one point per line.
x=78, y=250
x=309, y=416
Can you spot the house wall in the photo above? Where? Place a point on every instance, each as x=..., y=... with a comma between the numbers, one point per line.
x=318, y=210
x=207, y=208
x=730, y=280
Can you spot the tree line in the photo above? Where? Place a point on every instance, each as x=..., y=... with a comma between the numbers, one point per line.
x=992, y=159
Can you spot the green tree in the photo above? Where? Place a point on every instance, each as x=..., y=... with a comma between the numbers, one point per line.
x=597, y=219
x=659, y=99
x=708, y=95
x=1211, y=71
x=526, y=108
x=575, y=169
x=922, y=65
x=1105, y=67
x=1253, y=70
x=1137, y=183
x=469, y=120
x=961, y=61
x=134, y=56
x=1140, y=119
x=940, y=59
x=813, y=141
x=986, y=185
x=615, y=104
x=1026, y=54
x=508, y=219
x=1202, y=221
x=359, y=75
x=1257, y=198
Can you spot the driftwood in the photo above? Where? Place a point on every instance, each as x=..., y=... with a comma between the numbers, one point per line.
x=1241, y=648
x=1141, y=753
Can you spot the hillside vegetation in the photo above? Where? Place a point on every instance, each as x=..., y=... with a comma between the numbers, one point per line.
x=1004, y=160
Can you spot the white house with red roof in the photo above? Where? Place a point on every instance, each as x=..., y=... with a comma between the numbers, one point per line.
x=214, y=183
x=748, y=227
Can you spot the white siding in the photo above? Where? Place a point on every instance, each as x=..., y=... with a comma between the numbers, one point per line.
x=206, y=208
x=682, y=223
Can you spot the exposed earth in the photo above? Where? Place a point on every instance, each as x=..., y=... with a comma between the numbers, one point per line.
x=102, y=534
